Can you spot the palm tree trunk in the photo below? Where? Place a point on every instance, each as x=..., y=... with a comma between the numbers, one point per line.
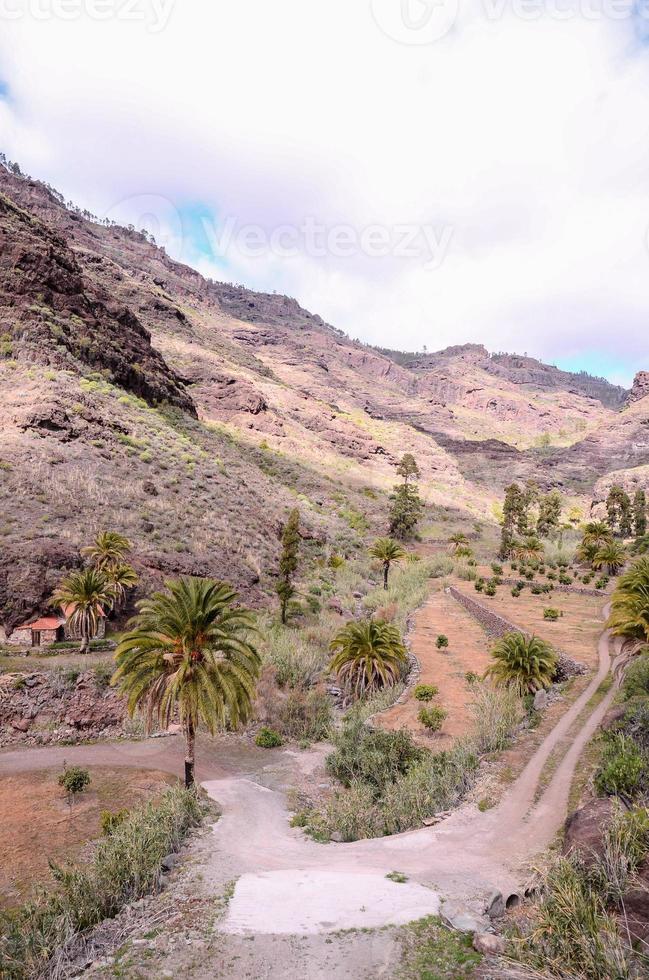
x=85, y=639
x=190, y=745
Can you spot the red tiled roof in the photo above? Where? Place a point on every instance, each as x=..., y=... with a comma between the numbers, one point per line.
x=44, y=623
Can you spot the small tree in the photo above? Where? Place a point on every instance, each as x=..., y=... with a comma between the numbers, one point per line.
x=387, y=551
x=288, y=561
x=407, y=506
x=74, y=780
x=640, y=513
x=524, y=663
x=84, y=596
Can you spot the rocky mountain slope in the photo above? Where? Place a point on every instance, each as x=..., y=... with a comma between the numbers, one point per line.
x=191, y=415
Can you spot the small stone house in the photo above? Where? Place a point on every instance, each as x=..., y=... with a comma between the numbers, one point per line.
x=45, y=630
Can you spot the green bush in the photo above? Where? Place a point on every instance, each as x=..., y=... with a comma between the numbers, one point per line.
x=623, y=769
x=496, y=569
x=490, y=589
x=550, y=613
x=636, y=679
x=425, y=692
x=441, y=642
x=479, y=585
x=125, y=866
x=471, y=677
x=110, y=821
x=267, y=738
x=374, y=756
x=74, y=780
x=304, y=715
x=432, y=718
x=516, y=591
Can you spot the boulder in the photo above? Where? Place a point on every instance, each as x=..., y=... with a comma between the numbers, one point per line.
x=584, y=830
x=488, y=944
x=540, y=700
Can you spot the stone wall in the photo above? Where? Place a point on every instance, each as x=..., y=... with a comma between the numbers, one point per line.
x=496, y=626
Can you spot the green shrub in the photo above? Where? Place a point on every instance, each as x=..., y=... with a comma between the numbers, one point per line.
x=565, y=580
x=432, y=718
x=374, y=756
x=490, y=589
x=516, y=591
x=304, y=715
x=623, y=769
x=471, y=677
x=425, y=692
x=74, y=780
x=125, y=866
x=636, y=678
x=551, y=613
x=336, y=561
x=479, y=585
x=601, y=583
x=497, y=712
x=441, y=642
x=496, y=569
x=267, y=738
x=110, y=821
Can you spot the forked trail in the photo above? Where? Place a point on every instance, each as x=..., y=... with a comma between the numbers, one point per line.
x=290, y=884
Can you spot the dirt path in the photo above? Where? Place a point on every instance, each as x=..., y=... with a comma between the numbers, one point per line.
x=288, y=884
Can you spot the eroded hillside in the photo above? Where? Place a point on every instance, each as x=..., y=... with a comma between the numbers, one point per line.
x=192, y=414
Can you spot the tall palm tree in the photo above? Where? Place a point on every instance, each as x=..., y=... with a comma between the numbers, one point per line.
x=529, y=547
x=83, y=596
x=122, y=577
x=109, y=549
x=367, y=655
x=388, y=551
x=525, y=663
x=188, y=650
x=630, y=603
x=456, y=541
x=587, y=551
x=610, y=557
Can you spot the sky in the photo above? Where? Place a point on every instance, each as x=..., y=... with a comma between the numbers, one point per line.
x=418, y=172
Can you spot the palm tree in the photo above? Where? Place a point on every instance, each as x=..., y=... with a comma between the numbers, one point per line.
x=597, y=532
x=367, y=655
x=611, y=557
x=188, y=650
x=122, y=577
x=457, y=541
x=630, y=603
x=587, y=551
x=525, y=663
x=83, y=596
x=108, y=550
x=387, y=550
x=530, y=547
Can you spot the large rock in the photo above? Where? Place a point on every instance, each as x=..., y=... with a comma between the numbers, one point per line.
x=584, y=830
x=640, y=387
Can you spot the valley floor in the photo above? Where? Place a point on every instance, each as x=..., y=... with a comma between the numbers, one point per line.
x=258, y=898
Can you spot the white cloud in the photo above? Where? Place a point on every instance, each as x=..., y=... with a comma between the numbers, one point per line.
x=524, y=138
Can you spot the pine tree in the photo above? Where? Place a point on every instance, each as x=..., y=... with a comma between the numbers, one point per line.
x=618, y=508
x=408, y=467
x=549, y=513
x=640, y=513
x=514, y=518
x=407, y=506
x=288, y=561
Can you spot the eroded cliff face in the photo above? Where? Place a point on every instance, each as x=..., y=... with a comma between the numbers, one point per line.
x=640, y=388
x=52, y=314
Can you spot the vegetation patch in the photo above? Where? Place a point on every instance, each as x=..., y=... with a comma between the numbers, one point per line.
x=433, y=952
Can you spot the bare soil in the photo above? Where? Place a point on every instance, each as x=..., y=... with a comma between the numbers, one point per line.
x=38, y=825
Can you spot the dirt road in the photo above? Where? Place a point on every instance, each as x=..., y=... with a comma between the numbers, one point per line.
x=290, y=884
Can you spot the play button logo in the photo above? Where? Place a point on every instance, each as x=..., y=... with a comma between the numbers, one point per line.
x=415, y=22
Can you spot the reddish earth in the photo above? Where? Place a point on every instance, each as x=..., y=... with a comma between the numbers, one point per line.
x=37, y=824
x=468, y=650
